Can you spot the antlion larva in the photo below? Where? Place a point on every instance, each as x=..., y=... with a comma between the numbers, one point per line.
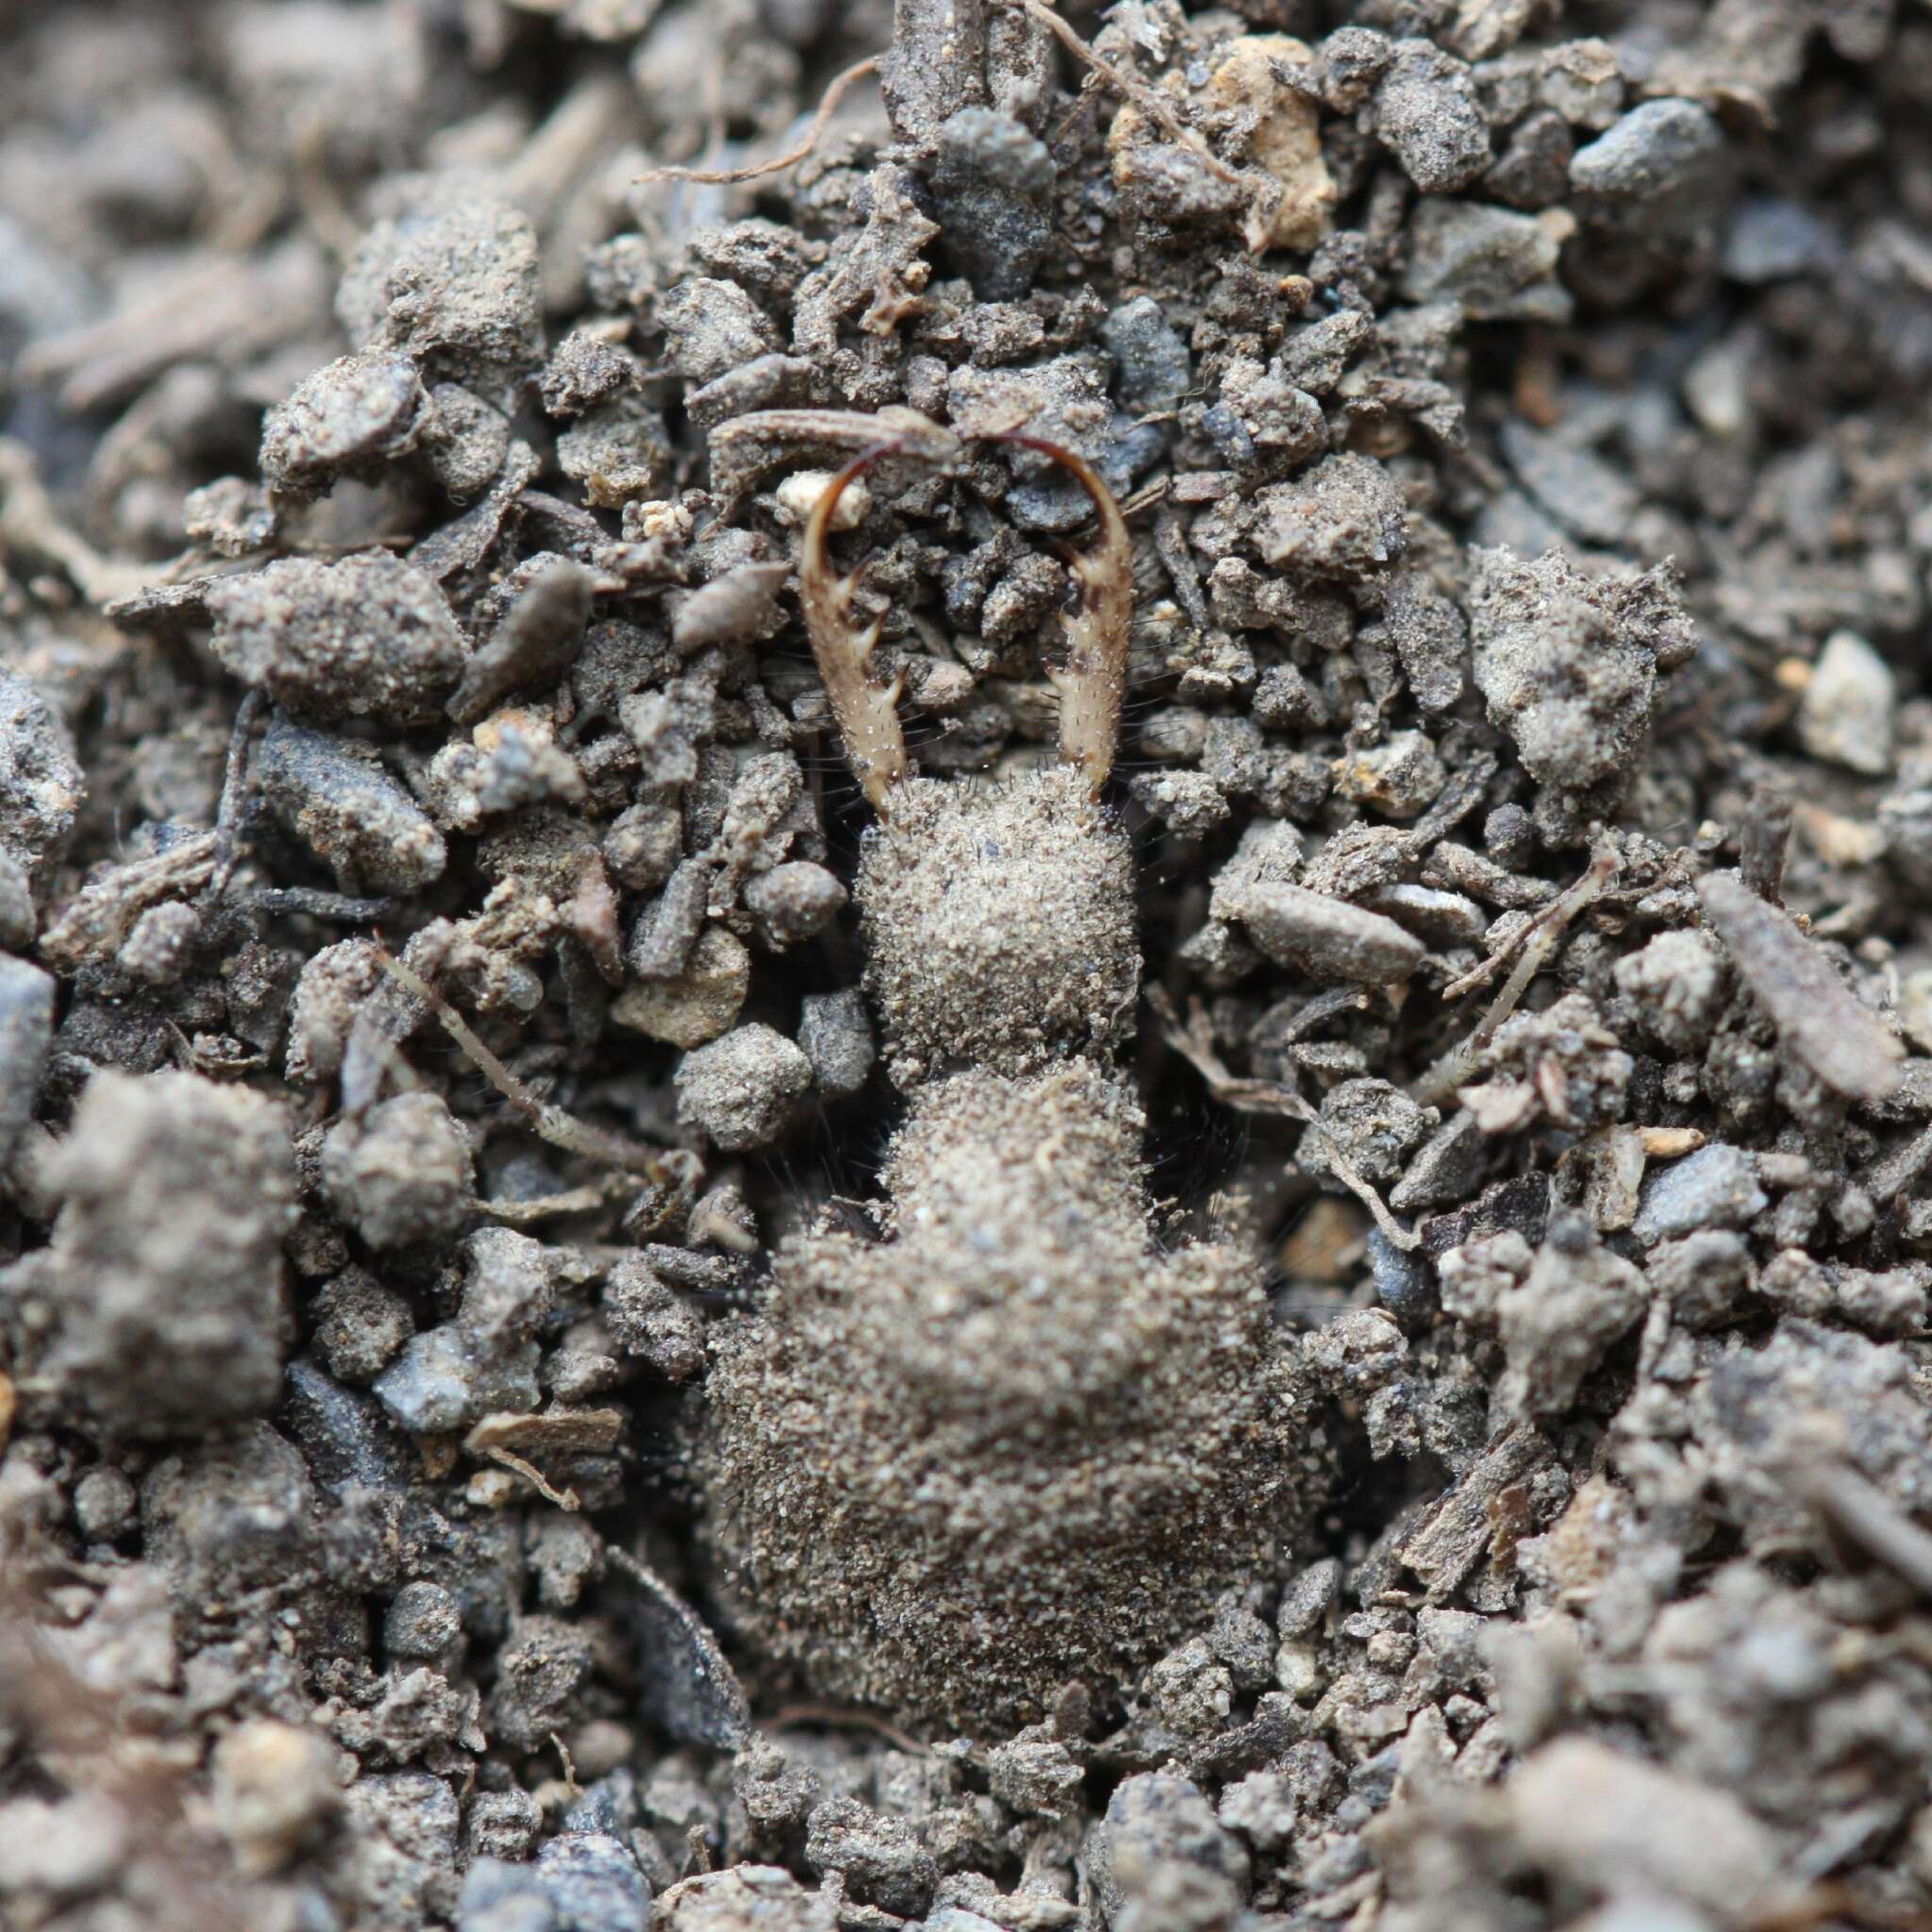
x=1016, y=1442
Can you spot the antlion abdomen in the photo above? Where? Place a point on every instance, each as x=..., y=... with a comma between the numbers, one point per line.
x=1012, y=1445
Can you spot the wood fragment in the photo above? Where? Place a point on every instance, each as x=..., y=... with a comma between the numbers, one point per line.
x=510, y=1440
x=102, y=914
x=1817, y=1016
x=30, y=525
x=1863, y=1514
x=234, y=805
x=1763, y=842
x=688, y=1685
x=1451, y=1540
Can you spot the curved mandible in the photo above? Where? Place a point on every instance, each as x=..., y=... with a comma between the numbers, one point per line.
x=866, y=710
x=1094, y=681
x=1092, y=684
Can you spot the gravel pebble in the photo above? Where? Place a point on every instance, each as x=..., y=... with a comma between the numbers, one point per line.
x=740, y=1091
x=370, y=637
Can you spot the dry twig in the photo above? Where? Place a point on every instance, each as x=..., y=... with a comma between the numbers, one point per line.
x=828, y=105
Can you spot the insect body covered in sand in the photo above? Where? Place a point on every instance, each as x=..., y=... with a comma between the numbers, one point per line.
x=1015, y=1443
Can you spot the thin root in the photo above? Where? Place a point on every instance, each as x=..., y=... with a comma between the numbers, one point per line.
x=1144, y=97
x=793, y=1715
x=828, y=105
x=234, y=802
x=1193, y=1042
x=1531, y=948
x=566, y=1499
x=584, y=1200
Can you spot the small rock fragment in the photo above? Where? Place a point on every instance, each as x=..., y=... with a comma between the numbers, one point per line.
x=454, y=280
x=18, y=919
x=643, y=845
x=348, y=419
x=1285, y=142
x=1353, y=58
x=27, y=1035
x=740, y=606
x=713, y=326
x=585, y=369
x=423, y=1623
x=1368, y=1123
x=340, y=800
x=1675, y=982
x=1327, y=939
x=793, y=901
x=798, y=495
x=1343, y=519
x=835, y=1033
x=533, y=643
x=1426, y=113
x=276, y=1789
x=1533, y=172
x=1591, y=499
x=333, y=987
x=1569, y=664
x=162, y=1293
x=1595, y=1819
x=60, y=1849
x=992, y=184
x=740, y=1091
x=1501, y=266
x=465, y=443
x=1846, y=717
x=1578, y=1299
x=698, y=1003
x=1661, y=166
x=582, y=1881
x=882, y=1861
x=1715, y=1187
x=104, y=1503
x=1155, y=368
x=765, y=1897
x=360, y=1325
x=483, y=1361
x=1154, y=1821
x=1189, y=802
x=1398, y=778
x=619, y=451
x=400, y=1174
x=40, y=783
x=648, y=1319
x=1582, y=81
